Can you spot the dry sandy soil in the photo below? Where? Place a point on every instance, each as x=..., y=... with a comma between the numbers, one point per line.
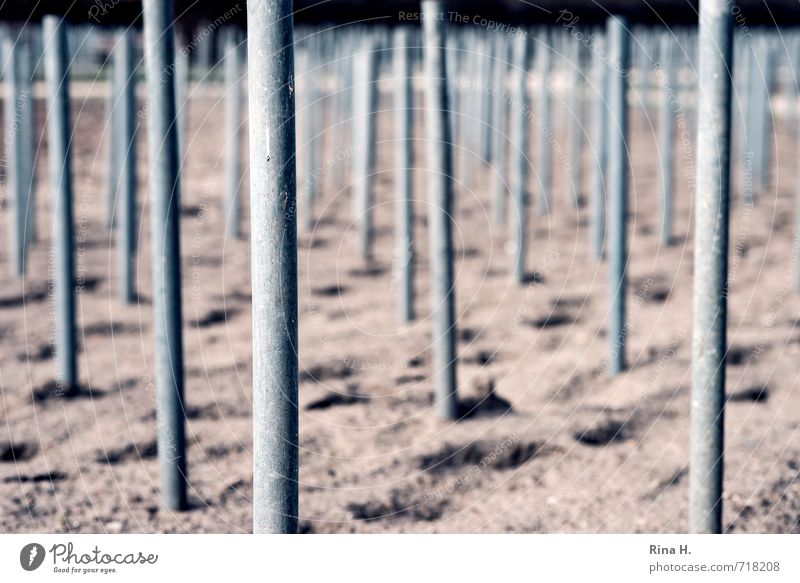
x=560, y=447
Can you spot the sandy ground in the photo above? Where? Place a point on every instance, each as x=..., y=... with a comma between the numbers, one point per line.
x=559, y=448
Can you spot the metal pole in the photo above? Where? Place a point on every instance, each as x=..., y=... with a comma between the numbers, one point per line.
x=639, y=66
x=404, y=213
x=600, y=127
x=163, y=155
x=59, y=156
x=499, y=129
x=575, y=120
x=758, y=113
x=14, y=147
x=233, y=121
x=440, y=210
x=796, y=248
x=766, y=113
x=340, y=108
x=305, y=130
x=114, y=150
x=666, y=136
x=486, y=68
x=125, y=68
x=315, y=116
x=520, y=125
x=543, y=71
x=710, y=267
x=738, y=159
x=182, y=84
x=309, y=125
x=794, y=104
x=749, y=128
x=273, y=189
x=453, y=56
x=619, y=57
x=466, y=122
x=27, y=115
x=364, y=138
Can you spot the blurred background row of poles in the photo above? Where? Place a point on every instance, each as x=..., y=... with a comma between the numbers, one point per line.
x=345, y=72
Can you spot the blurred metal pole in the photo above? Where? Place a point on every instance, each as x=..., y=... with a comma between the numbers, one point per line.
x=341, y=109
x=619, y=58
x=315, y=115
x=600, y=127
x=114, y=121
x=750, y=122
x=710, y=267
x=794, y=104
x=125, y=69
x=404, y=213
x=182, y=72
x=499, y=132
x=305, y=131
x=520, y=127
x=666, y=132
x=796, y=248
x=543, y=57
x=15, y=164
x=29, y=147
x=767, y=115
x=440, y=210
x=310, y=125
x=467, y=123
x=366, y=88
x=576, y=121
x=487, y=63
x=453, y=56
x=758, y=113
x=234, y=61
x=273, y=191
x=164, y=163
x=60, y=158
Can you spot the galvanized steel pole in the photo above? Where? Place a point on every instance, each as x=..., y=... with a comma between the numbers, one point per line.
x=60, y=161
x=666, y=132
x=499, y=129
x=520, y=127
x=164, y=163
x=183, y=75
x=234, y=49
x=15, y=164
x=576, y=122
x=440, y=210
x=619, y=56
x=114, y=150
x=125, y=69
x=710, y=267
x=273, y=200
x=600, y=128
x=404, y=211
x=29, y=147
x=543, y=58
x=364, y=138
